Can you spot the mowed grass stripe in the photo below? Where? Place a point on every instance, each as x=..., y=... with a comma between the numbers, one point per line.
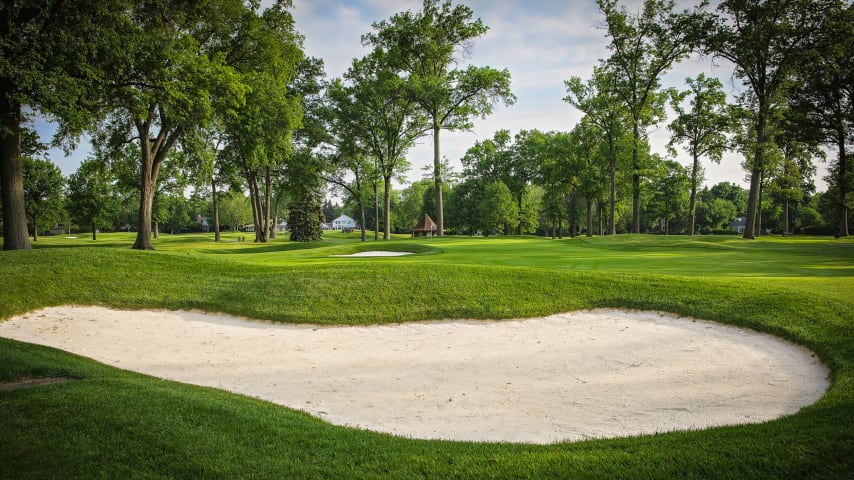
x=113, y=423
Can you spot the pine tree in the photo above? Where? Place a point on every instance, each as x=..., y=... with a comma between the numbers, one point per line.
x=306, y=218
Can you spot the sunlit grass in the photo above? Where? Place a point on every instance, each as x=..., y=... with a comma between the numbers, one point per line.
x=115, y=424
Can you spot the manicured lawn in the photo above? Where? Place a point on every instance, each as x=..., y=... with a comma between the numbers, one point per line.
x=115, y=424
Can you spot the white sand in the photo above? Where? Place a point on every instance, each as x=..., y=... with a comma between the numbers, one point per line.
x=572, y=376
x=375, y=253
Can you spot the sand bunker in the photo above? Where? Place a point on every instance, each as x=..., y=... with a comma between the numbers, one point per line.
x=375, y=253
x=573, y=376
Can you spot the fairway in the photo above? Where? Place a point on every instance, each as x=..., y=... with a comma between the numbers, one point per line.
x=111, y=422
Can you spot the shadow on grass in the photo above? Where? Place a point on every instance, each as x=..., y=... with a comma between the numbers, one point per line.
x=251, y=248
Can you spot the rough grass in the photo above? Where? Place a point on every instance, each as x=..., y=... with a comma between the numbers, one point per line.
x=113, y=423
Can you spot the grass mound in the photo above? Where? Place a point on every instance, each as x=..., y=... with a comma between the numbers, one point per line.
x=119, y=424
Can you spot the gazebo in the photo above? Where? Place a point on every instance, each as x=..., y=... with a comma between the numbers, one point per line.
x=425, y=227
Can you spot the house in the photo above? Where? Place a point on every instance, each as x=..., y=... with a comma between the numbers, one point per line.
x=343, y=223
x=425, y=226
x=203, y=223
x=738, y=225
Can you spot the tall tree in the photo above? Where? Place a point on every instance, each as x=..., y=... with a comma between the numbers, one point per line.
x=43, y=191
x=180, y=72
x=591, y=166
x=51, y=54
x=259, y=134
x=465, y=203
x=498, y=209
x=766, y=40
x=598, y=100
x=348, y=167
x=791, y=175
x=427, y=45
x=390, y=119
x=670, y=188
x=558, y=177
x=306, y=216
x=703, y=129
x=643, y=47
x=92, y=198
x=822, y=100
x=511, y=160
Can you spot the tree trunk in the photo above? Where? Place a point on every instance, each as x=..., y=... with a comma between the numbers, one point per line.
x=94, y=231
x=759, y=209
x=215, y=199
x=785, y=216
x=635, y=180
x=156, y=230
x=268, y=200
x=257, y=208
x=146, y=197
x=35, y=229
x=692, y=205
x=612, y=227
x=253, y=201
x=560, y=229
x=362, y=221
x=843, y=187
x=387, y=205
x=151, y=159
x=437, y=180
x=589, y=218
x=15, y=235
x=376, y=212
x=755, y=178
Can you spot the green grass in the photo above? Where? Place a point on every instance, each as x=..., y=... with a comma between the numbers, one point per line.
x=113, y=424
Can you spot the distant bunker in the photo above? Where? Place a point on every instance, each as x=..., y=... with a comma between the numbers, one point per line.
x=375, y=253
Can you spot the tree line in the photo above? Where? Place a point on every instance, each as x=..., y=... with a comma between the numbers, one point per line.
x=219, y=98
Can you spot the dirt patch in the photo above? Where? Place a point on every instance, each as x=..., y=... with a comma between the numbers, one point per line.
x=33, y=382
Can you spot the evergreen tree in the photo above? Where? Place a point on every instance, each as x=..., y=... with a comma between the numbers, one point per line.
x=306, y=218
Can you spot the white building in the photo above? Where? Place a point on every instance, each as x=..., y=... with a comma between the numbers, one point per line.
x=343, y=222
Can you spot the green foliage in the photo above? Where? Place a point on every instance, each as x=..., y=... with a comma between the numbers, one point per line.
x=643, y=47
x=821, y=99
x=498, y=210
x=234, y=210
x=671, y=189
x=426, y=45
x=92, y=196
x=380, y=117
x=715, y=213
x=529, y=219
x=412, y=205
x=43, y=193
x=733, y=193
x=464, y=211
x=766, y=41
x=306, y=218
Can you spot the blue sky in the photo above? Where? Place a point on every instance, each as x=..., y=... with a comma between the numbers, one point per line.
x=541, y=42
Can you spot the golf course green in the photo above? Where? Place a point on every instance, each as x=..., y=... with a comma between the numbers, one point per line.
x=111, y=423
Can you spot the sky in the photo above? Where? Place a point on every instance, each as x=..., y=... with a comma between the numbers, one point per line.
x=541, y=42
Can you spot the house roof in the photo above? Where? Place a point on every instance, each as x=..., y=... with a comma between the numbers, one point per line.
x=343, y=218
x=425, y=225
